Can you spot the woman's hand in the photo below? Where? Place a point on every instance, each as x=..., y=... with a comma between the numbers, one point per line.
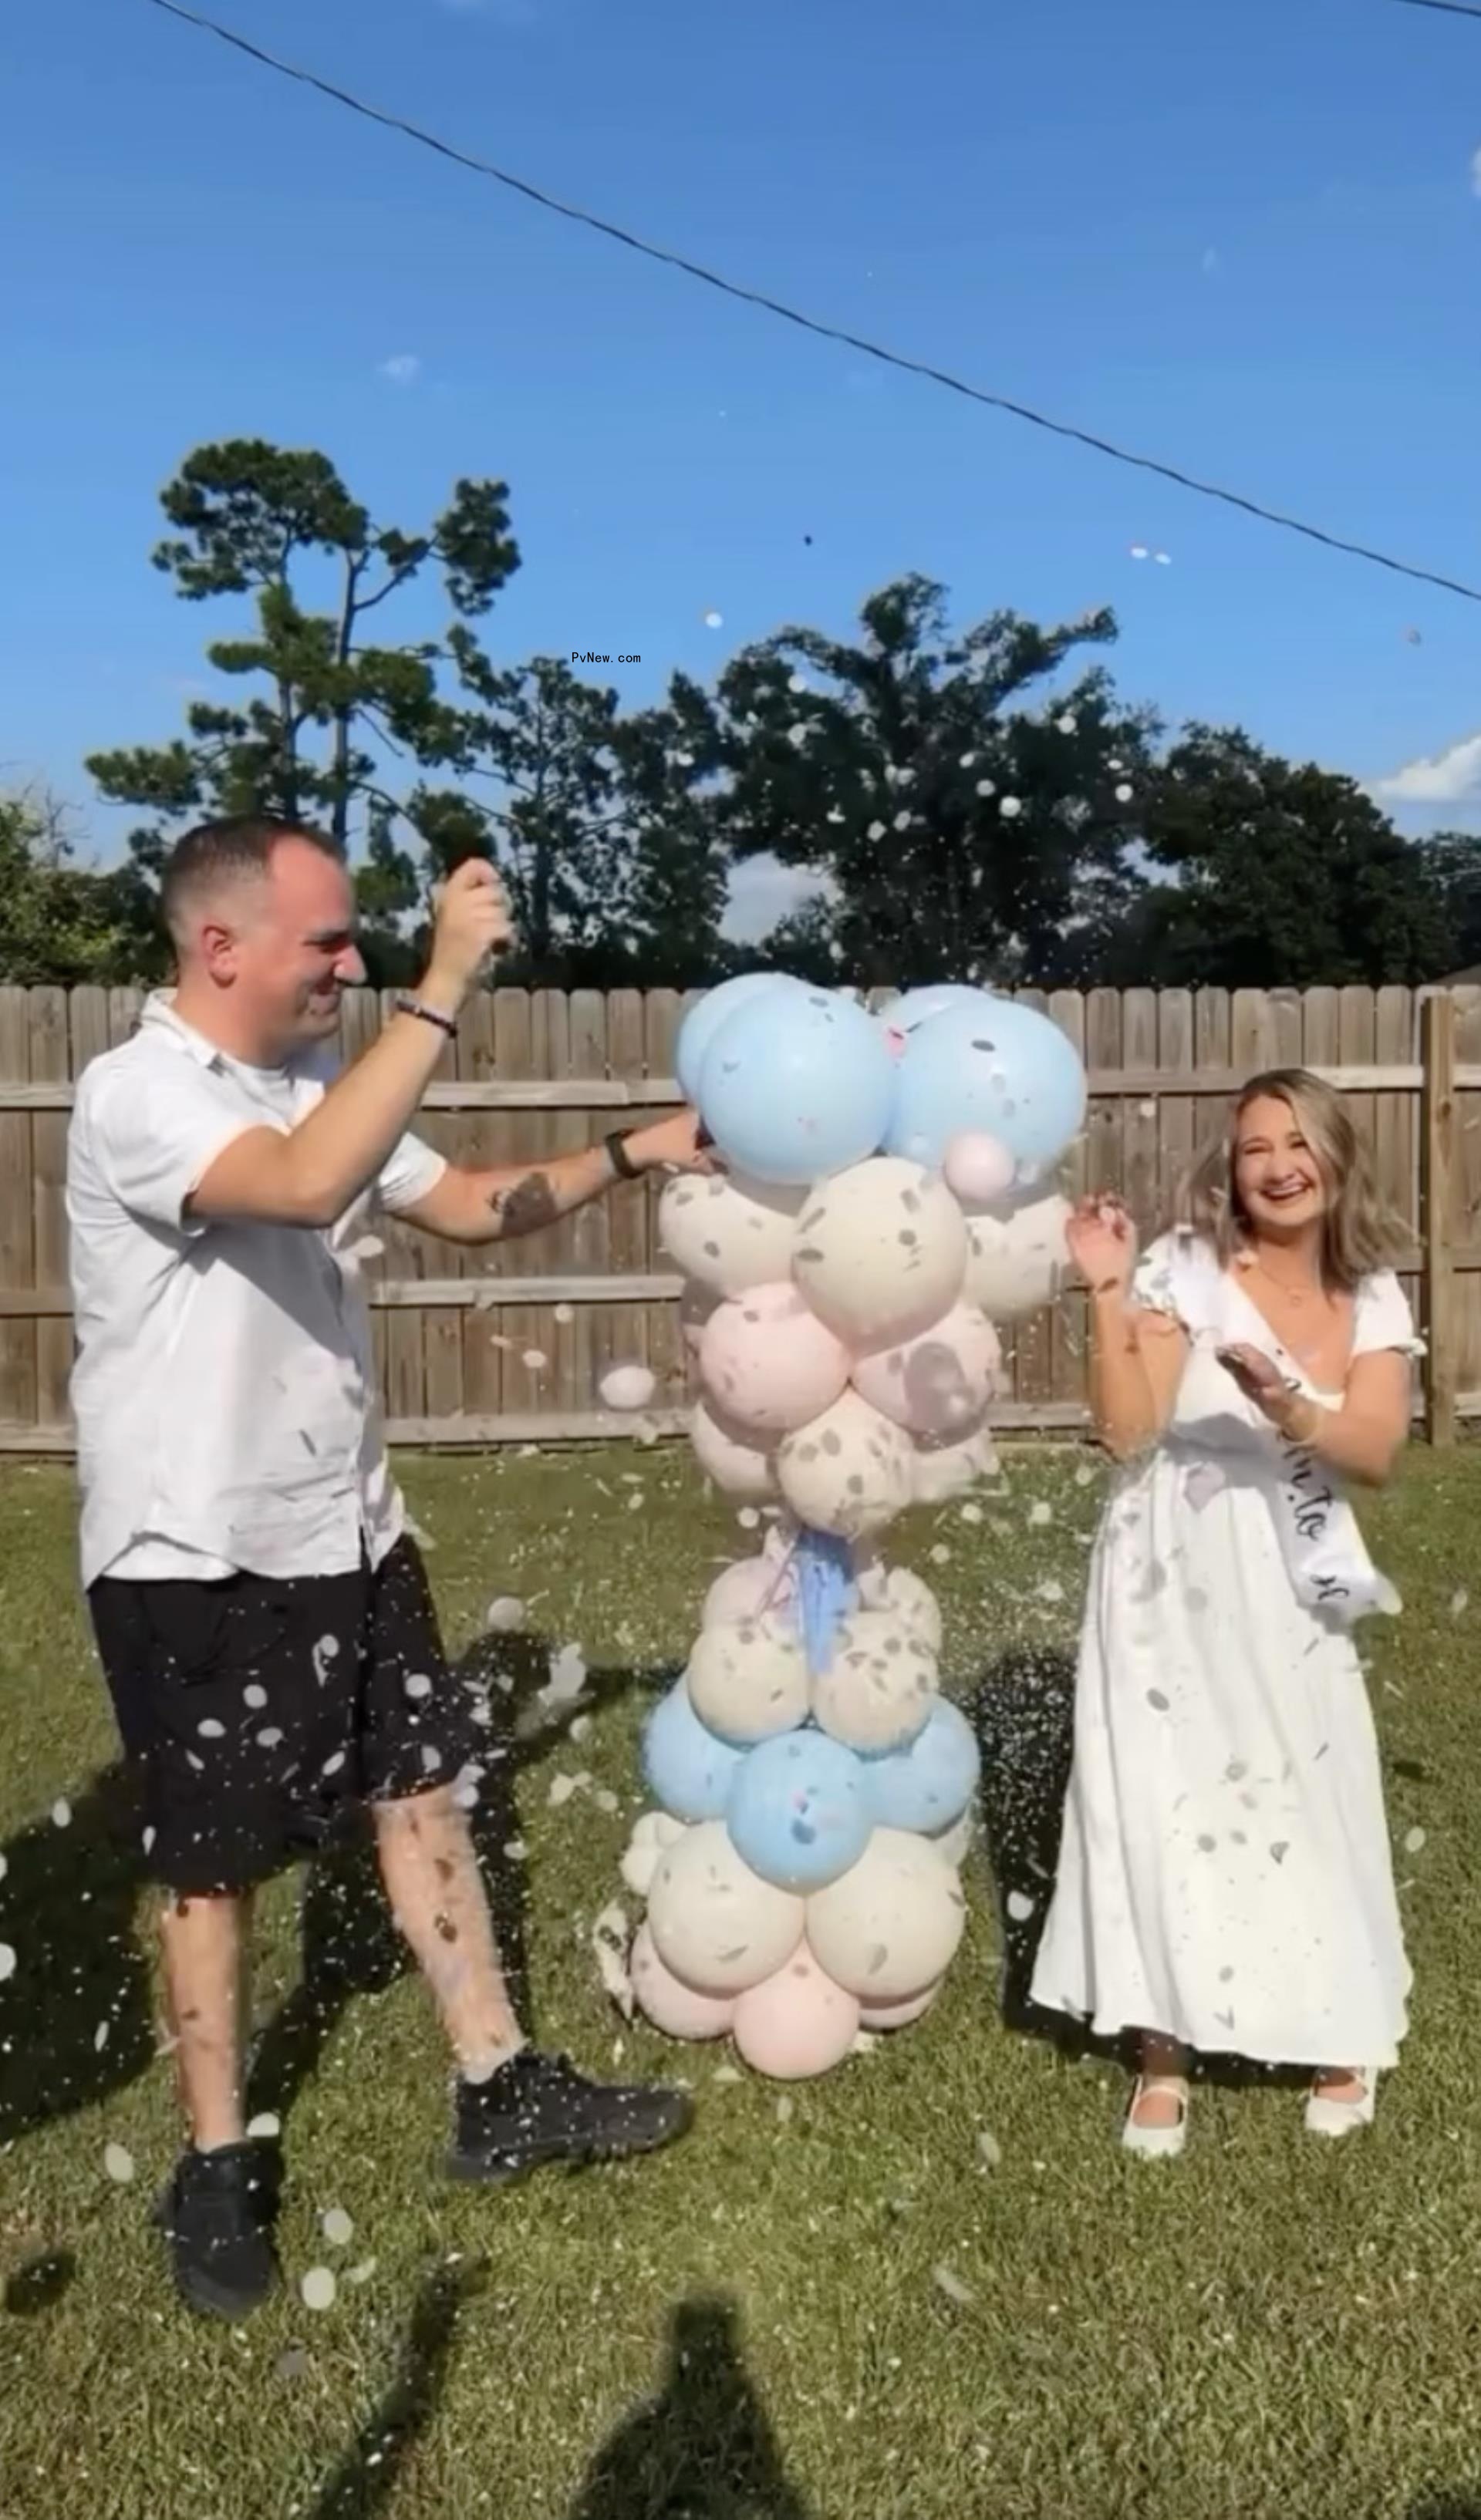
x=1262, y=1381
x=1102, y=1243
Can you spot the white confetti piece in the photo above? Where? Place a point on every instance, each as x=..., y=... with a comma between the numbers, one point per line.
x=946, y=2280
x=336, y=1761
x=564, y=1315
x=209, y=1729
x=1139, y=552
x=610, y=1937
x=748, y=1518
x=784, y=2109
x=715, y=621
x=1413, y=1841
x=264, y=2129
x=988, y=2150
x=270, y=1737
x=986, y=787
x=255, y=1697
x=417, y=1685
x=562, y=1787
x=535, y=1360
x=318, y=2288
x=1124, y=795
x=1164, y=559
x=1460, y=1603
x=1050, y=1590
x=118, y=2164
x=725, y=2074
x=362, y=2273
x=1040, y=1515
x=941, y=1555
x=4, y=1865
x=568, y=1676
x=8, y=1961
x=505, y=1615
x=1010, y=808
x=337, y=2227
x=627, y=1387
x=62, y=1813
x=876, y=831
x=369, y=1248
x=147, y=1841
x=1085, y=1476
x=971, y=1514
x=1019, y=1907
x=1066, y=725
x=100, y=2037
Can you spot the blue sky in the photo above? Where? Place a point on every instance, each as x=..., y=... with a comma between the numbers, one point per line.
x=1246, y=239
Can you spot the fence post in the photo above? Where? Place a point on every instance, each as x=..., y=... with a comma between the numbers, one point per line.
x=1437, y=1209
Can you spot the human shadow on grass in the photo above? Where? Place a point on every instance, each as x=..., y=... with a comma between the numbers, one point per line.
x=76, y=2022
x=703, y=2448
x=348, y=1946
x=364, y=2479
x=1463, y=2503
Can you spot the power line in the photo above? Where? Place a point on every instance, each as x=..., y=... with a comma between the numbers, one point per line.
x=812, y=324
x=1447, y=8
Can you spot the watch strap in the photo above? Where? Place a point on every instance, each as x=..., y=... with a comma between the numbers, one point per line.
x=621, y=1163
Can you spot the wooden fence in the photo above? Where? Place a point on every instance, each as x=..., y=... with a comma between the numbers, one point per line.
x=509, y=1345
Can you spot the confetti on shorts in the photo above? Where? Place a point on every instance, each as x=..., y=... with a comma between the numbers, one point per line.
x=1019, y=1907
x=62, y=1813
x=876, y=831
x=948, y=2280
x=417, y=1685
x=118, y=2164
x=210, y=1730
x=337, y=2227
x=254, y=1695
x=318, y=2288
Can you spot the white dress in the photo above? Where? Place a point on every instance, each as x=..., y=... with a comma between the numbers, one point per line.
x=1224, y=1873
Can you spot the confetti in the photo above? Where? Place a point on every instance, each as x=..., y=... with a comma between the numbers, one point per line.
x=417, y=1685
x=1413, y=1841
x=210, y=1730
x=4, y=1865
x=1040, y=1515
x=941, y=1555
x=265, y=2128
x=562, y=1787
x=118, y=2164
x=1019, y=1907
x=1066, y=725
x=362, y=2273
x=564, y=1315
x=337, y=2227
x=568, y=1676
x=627, y=1387
x=1460, y=1603
x=1164, y=559
x=876, y=831
x=535, y=1360
x=100, y=2037
x=1139, y=552
x=1124, y=796
x=318, y=2288
x=715, y=620
x=255, y=1697
x=8, y=1961
x=505, y=1615
x=1010, y=808
x=62, y=1813
x=987, y=787
x=946, y=2280
x=988, y=2150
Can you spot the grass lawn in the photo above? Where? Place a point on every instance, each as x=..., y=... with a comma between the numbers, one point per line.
x=754, y=2323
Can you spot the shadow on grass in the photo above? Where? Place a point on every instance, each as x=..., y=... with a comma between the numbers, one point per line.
x=348, y=1946
x=364, y=2480
x=75, y=2018
x=1464, y=2505
x=702, y=2449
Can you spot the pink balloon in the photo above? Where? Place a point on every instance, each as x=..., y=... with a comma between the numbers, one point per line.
x=977, y=1167
x=767, y=1362
x=679, y=2011
x=797, y=2023
x=727, y=1455
x=745, y=1591
x=898, y=2016
x=937, y=1384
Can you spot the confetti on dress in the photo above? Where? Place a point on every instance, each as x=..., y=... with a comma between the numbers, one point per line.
x=118, y=2164
x=318, y=2288
x=987, y=787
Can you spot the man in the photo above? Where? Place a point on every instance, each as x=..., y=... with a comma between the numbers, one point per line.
x=262, y=1614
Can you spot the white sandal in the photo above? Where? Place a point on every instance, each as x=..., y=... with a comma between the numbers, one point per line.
x=1326, y=2116
x=1157, y=2142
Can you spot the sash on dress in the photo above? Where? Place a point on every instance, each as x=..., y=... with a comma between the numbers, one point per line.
x=1323, y=1547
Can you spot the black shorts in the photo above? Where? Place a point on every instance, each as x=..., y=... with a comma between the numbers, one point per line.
x=260, y=1706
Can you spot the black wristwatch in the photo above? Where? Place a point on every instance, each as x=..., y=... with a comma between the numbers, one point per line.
x=621, y=1163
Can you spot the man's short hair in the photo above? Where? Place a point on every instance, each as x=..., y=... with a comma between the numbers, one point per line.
x=215, y=855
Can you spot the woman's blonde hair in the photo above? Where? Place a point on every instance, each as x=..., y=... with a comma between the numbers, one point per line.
x=1361, y=1235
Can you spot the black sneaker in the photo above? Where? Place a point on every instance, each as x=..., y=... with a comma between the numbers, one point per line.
x=540, y=2109
x=217, y=2215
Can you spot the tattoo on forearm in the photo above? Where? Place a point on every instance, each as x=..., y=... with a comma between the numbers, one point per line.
x=526, y=1205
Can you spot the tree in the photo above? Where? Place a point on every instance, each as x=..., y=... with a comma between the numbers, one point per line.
x=1452, y=863
x=328, y=702
x=1270, y=873
x=62, y=924
x=961, y=832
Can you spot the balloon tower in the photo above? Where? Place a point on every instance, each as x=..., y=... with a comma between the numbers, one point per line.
x=884, y=1202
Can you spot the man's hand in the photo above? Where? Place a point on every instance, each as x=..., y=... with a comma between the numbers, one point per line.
x=472, y=923
x=677, y=1145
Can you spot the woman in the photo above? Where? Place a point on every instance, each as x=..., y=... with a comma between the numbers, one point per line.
x=1225, y=1878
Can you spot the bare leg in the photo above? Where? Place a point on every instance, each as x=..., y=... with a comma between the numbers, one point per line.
x=439, y=1903
x=1340, y=2083
x=1163, y=2060
x=205, y=1946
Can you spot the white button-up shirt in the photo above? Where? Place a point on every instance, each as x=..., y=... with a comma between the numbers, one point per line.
x=224, y=1388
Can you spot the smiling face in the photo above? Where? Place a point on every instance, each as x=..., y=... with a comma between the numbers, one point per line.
x=1279, y=1181
x=282, y=945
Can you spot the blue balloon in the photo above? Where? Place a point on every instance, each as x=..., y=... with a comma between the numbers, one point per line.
x=797, y=1085
x=703, y=1022
x=928, y=1785
x=997, y=1066
x=908, y=1013
x=689, y=1772
x=799, y=1813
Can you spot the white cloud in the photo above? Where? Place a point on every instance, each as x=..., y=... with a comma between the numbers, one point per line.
x=404, y=370
x=1451, y=778
x=763, y=893
x=1475, y=173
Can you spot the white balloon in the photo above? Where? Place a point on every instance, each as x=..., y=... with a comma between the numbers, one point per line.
x=1018, y=1257
x=749, y=1681
x=881, y=1251
x=714, y=1922
x=942, y=1471
x=627, y=1386
x=901, y=1589
x=939, y=1383
x=653, y=1833
x=877, y=1690
x=849, y=1473
x=727, y=1232
x=738, y=1468
x=954, y=1845
x=679, y=2011
x=744, y=1591
x=892, y=1924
